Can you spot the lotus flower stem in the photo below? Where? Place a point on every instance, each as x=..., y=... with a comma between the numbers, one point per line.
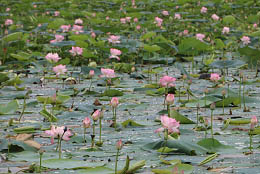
x=117, y=154
x=24, y=106
x=250, y=141
x=93, y=135
x=90, y=84
x=244, y=102
x=100, y=130
x=165, y=95
x=211, y=122
x=239, y=93
x=168, y=110
x=198, y=107
x=84, y=138
x=114, y=116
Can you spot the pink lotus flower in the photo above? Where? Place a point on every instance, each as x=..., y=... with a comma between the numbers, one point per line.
x=91, y=73
x=78, y=21
x=114, y=39
x=108, y=73
x=177, y=16
x=215, y=17
x=114, y=102
x=86, y=122
x=107, y=18
x=138, y=27
x=56, y=13
x=214, y=77
x=60, y=69
x=254, y=122
x=7, y=9
x=203, y=10
x=76, y=51
x=167, y=81
x=9, y=22
x=165, y=13
x=58, y=38
x=77, y=29
x=94, y=14
x=52, y=57
x=128, y=19
x=255, y=25
x=65, y=28
x=200, y=36
x=169, y=99
x=135, y=19
x=170, y=124
x=123, y=20
x=93, y=35
x=58, y=131
x=225, y=30
x=35, y=6
x=245, y=40
x=119, y=145
x=185, y=32
x=96, y=115
x=115, y=53
x=158, y=21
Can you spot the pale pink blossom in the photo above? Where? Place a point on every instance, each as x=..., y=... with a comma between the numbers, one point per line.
x=225, y=30
x=94, y=14
x=78, y=21
x=214, y=77
x=60, y=69
x=170, y=124
x=255, y=25
x=123, y=20
x=165, y=13
x=113, y=39
x=65, y=28
x=96, y=115
x=169, y=99
x=158, y=21
x=203, y=10
x=77, y=29
x=177, y=16
x=135, y=19
x=200, y=36
x=9, y=22
x=114, y=102
x=128, y=19
x=119, y=145
x=107, y=18
x=91, y=73
x=35, y=6
x=93, y=34
x=108, y=73
x=52, y=57
x=58, y=38
x=254, y=122
x=138, y=27
x=86, y=122
x=7, y=9
x=215, y=17
x=185, y=32
x=115, y=53
x=76, y=51
x=58, y=132
x=167, y=81
x=56, y=13
x=245, y=40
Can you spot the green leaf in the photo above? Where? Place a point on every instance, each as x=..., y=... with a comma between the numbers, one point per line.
x=56, y=23
x=221, y=64
x=69, y=164
x=25, y=129
x=21, y=56
x=213, y=145
x=112, y=93
x=192, y=46
x=48, y=116
x=97, y=170
x=178, y=168
x=229, y=19
x=238, y=121
x=148, y=35
x=208, y=159
x=13, y=37
x=189, y=148
x=131, y=123
x=15, y=146
x=136, y=166
x=124, y=170
x=179, y=117
x=12, y=106
x=151, y=48
x=3, y=77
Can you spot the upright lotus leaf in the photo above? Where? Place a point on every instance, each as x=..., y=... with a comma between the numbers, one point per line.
x=60, y=99
x=131, y=123
x=12, y=37
x=181, y=118
x=3, y=77
x=12, y=106
x=148, y=35
x=214, y=145
x=189, y=148
x=224, y=64
x=192, y=46
x=63, y=43
x=219, y=44
x=181, y=68
x=112, y=93
x=151, y=48
x=15, y=146
x=48, y=116
x=21, y=56
x=56, y=23
x=82, y=37
x=229, y=19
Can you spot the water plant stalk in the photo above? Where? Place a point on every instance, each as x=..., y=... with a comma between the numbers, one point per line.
x=100, y=130
x=211, y=123
x=93, y=136
x=250, y=141
x=117, y=154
